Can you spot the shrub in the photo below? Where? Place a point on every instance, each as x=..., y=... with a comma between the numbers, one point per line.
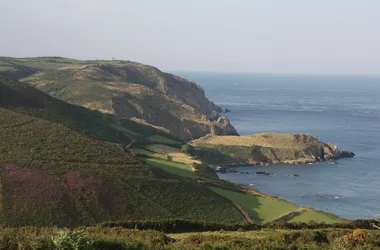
x=188, y=149
x=359, y=235
x=71, y=240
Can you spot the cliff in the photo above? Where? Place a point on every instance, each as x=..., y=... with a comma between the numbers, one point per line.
x=267, y=148
x=126, y=89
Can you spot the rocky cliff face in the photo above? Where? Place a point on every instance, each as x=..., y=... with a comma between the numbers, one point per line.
x=126, y=89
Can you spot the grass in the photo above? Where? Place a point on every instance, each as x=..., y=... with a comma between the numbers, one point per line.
x=259, y=208
x=259, y=148
x=54, y=176
x=165, y=140
x=172, y=167
x=316, y=217
x=147, y=154
x=123, y=88
x=173, y=152
x=57, y=169
x=27, y=100
x=118, y=238
x=268, y=140
x=86, y=180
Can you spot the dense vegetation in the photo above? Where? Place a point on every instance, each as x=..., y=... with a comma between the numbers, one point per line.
x=118, y=238
x=64, y=165
x=53, y=175
x=183, y=226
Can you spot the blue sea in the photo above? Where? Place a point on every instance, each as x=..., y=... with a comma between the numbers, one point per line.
x=344, y=110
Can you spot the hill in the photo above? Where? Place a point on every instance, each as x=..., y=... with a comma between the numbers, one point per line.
x=125, y=89
x=25, y=99
x=64, y=165
x=267, y=148
x=53, y=175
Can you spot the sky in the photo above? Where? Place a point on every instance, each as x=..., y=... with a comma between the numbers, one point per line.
x=266, y=36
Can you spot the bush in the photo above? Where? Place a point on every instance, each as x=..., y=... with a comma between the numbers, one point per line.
x=359, y=234
x=70, y=240
x=188, y=149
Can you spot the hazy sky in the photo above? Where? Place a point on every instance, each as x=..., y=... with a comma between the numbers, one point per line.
x=267, y=36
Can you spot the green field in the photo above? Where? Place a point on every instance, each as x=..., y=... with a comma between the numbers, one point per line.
x=315, y=216
x=172, y=167
x=265, y=209
x=164, y=140
x=260, y=209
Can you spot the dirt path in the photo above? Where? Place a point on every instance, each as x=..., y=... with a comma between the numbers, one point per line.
x=290, y=215
x=244, y=213
x=75, y=77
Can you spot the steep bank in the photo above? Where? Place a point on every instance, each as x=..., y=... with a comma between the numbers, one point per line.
x=267, y=148
x=126, y=89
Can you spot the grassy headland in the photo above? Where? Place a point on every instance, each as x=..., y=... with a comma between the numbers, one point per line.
x=269, y=148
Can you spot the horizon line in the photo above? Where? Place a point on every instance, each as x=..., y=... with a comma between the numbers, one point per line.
x=270, y=73
x=212, y=71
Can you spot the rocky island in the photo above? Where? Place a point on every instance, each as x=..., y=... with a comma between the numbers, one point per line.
x=265, y=149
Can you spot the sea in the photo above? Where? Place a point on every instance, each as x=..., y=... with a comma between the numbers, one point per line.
x=344, y=110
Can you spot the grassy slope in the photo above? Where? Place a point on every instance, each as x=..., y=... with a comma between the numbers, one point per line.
x=124, y=88
x=84, y=179
x=260, y=208
x=315, y=216
x=267, y=208
x=27, y=100
x=172, y=167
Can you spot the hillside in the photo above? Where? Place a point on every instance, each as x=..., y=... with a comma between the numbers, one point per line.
x=63, y=165
x=126, y=89
x=267, y=148
x=53, y=176
x=27, y=100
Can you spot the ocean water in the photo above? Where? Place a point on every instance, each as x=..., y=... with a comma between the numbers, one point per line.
x=344, y=110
